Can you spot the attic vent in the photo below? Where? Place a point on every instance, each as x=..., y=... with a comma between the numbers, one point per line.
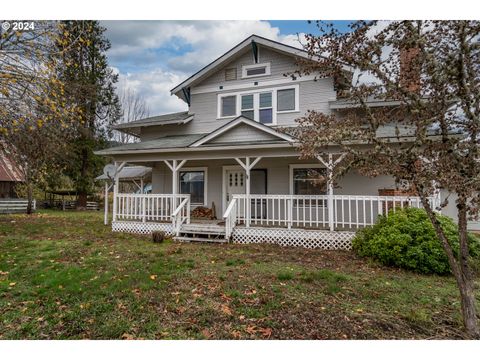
x=231, y=74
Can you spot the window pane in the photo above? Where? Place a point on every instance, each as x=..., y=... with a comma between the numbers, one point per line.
x=193, y=183
x=256, y=71
x=265, y=100
x=286, y=99
x=248, y=114
x=247, y=102
x=229, y=106
x=309, y=181
x=266, y=116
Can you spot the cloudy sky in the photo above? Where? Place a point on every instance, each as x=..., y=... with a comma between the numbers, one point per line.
x=152, y=57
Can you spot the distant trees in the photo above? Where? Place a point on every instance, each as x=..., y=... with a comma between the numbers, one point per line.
x=35, y=114
x=134, y=108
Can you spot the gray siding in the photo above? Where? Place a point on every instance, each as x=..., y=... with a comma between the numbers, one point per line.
x=313, y=95
x=280, y=64
x=242, y=133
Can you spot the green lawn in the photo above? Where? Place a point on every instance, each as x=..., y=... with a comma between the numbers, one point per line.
x=64, y=275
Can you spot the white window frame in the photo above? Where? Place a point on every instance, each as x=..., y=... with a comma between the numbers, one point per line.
x=297, y=99
x=256, y=100
x=300, y=166
x=255, y=109
x=219, y=110
x=254, y=66
x=205, y=183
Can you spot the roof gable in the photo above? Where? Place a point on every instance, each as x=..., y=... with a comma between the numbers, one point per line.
x=242, y=130
x=227, y=57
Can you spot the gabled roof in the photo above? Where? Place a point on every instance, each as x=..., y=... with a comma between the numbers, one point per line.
x=166, y=142
x=9, y=171
x=212, y=67
x=177, y=118
x=274, y=135
x=129, y=172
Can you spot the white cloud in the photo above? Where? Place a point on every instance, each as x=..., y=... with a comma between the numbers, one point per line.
x=152, y=57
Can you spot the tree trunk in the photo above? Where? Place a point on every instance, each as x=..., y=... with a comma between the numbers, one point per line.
x=29, y=198
x=465, y=280
x=460, y=268
x=82, y=193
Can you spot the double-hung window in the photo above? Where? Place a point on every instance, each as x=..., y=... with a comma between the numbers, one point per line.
x=261, y=105
x=228, y=106
x=193, y=182
x=307, y=180
x=248, y=108
x=265, y=108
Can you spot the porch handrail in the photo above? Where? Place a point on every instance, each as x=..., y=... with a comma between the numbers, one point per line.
x=230, y=217
x=316, y=211
x=146, y=207
x=181, y=215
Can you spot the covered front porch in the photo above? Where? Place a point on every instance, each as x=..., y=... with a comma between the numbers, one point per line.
x=258, y=199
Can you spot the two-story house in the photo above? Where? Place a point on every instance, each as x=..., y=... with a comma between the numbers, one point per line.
x=227, y=150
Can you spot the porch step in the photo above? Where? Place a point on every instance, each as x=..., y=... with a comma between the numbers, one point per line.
x=203, y=229
x=199, y=239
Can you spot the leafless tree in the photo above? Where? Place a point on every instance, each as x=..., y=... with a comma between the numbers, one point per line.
x=429, y=72
x=134, y=108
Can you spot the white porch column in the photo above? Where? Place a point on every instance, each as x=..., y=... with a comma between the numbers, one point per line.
x=330, y=165
x=175, y=167
x=247, y=166
x=115, y=189
x=105, y=219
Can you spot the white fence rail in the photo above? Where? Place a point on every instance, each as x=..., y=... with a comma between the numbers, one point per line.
x=181, y=215
x=308, y=211
x=8, y=206
x=146, y=207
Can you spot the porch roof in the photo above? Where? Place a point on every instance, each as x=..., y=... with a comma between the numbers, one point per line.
x=129, y=173
x=177, y=118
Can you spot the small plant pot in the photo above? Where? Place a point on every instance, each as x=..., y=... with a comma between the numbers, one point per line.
x=158, y=236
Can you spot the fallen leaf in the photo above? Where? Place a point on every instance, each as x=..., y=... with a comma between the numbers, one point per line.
x=226, y=310
x=127, y=336
x=266, y=332
x=206, y=333
x=153, y=277
x=251, y=329
x=236, y=334
x=12, y=284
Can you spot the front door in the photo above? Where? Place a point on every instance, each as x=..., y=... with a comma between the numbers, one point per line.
x=235, y=183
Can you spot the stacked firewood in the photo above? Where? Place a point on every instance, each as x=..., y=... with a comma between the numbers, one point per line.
x=203, y=212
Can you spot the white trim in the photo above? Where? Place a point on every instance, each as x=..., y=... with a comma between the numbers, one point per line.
x=267, y=72
x=233, y=87
x=240, y=120
x=300, y=166
x=205, y=183
x=256, y=93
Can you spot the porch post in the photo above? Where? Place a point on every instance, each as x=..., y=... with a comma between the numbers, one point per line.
x=175, y=167
x=105, y=220
x=331, y=224
x=115, y=188
x=115, y=192
x=247, y=166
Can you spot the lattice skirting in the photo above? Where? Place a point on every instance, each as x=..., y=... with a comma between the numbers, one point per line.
x=311, y=239
x=137, y=227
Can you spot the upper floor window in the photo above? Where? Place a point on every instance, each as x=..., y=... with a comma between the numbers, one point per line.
x=229, y=106
x=260, y=105
x=255, y=70
x=286, y=100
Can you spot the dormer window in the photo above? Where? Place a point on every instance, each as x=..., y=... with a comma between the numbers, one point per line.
x=255, y=70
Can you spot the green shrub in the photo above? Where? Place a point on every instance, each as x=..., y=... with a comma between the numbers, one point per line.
x=407, y=239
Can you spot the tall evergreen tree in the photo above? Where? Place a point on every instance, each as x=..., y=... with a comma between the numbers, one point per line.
x=90, y=85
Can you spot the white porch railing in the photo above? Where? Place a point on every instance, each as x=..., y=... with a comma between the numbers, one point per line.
x=309, y=211
x=147, y=207
x=181, y=215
